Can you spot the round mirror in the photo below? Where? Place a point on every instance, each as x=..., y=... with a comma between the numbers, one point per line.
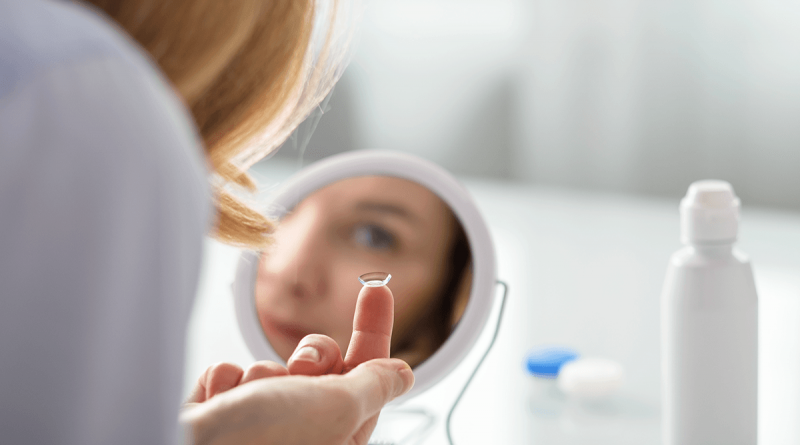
x=362, y=212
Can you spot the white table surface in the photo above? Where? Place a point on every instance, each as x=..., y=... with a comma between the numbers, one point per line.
x=585, y=270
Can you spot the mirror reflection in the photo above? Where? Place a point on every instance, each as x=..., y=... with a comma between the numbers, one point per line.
x=306, y=281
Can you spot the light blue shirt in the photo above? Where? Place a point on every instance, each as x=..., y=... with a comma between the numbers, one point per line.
x=104, y=203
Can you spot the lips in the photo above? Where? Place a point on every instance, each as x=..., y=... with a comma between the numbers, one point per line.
x=289, y=332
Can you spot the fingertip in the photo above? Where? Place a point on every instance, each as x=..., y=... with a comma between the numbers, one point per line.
x=316, y=355
x=221, y=377
x=406, y=376
x=263, y=369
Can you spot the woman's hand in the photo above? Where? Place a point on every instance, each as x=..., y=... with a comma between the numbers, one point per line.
x=224, y=376
x=326, y=399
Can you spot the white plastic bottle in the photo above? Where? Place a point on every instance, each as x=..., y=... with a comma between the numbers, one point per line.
x=709, y=327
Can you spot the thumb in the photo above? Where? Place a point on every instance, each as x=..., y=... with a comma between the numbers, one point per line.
x=377, y=382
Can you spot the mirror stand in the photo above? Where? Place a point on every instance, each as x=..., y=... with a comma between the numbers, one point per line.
x=408, y=426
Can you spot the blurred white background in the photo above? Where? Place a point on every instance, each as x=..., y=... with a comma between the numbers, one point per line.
x=524, y=99
x=630, y=96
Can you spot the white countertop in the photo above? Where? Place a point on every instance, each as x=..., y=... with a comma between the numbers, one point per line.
x=585, y=270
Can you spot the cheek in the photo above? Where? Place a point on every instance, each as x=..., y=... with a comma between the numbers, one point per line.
x=266, y=286
x=287, y=240
x=274, y=286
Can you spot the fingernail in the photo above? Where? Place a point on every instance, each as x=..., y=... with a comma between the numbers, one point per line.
x=307, y=354
x=408, y=378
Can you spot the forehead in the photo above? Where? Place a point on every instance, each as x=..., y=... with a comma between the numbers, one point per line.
x=352, y=193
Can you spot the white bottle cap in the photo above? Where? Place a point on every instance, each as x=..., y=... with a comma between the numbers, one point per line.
x=590, y=378
x=709, y=213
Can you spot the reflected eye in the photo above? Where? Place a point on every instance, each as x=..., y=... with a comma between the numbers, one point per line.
x=374, y=237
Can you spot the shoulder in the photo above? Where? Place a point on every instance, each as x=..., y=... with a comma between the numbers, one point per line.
x=40, y=35
x=75, y=91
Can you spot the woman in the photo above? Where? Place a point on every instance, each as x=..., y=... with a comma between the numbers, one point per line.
x=112, y=116
x=305, y=281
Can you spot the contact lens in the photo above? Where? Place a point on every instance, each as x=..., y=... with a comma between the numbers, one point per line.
x=375, y=279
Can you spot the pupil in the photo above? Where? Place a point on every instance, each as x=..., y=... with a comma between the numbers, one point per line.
x=374, y=237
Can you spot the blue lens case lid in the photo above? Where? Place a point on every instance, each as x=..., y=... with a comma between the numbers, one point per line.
x=546, y=361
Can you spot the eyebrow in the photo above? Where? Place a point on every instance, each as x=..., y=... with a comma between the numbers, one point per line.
x=387, y=208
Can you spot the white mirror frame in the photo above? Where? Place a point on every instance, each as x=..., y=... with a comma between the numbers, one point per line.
x=400, y=165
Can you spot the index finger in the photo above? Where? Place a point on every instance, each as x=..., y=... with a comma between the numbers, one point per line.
x=372, y=326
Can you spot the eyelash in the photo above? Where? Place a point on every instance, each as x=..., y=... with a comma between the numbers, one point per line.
x=374, y=237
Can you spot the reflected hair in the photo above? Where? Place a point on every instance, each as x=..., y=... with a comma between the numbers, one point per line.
x=250, y=71
x=450, y=308
x=452, y=296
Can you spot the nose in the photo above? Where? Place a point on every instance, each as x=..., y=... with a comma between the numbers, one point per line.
x=299, y=259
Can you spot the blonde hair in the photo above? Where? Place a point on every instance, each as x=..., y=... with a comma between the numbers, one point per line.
x=250, y=71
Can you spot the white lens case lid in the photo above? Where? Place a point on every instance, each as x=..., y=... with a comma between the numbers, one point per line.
x=590, y=377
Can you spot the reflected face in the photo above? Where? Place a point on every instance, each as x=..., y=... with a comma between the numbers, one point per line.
x=307, y=281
